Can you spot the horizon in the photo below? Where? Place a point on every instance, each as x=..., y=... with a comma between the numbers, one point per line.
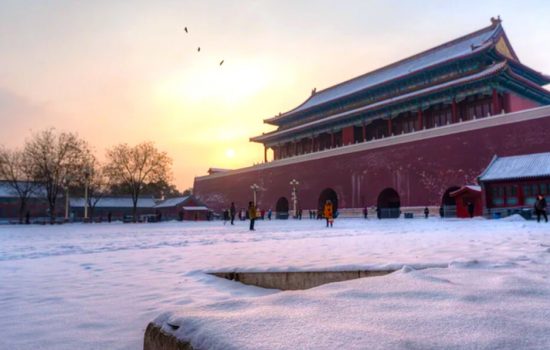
x=92, y=68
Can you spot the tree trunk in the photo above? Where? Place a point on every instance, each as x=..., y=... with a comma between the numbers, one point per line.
x=22, y=207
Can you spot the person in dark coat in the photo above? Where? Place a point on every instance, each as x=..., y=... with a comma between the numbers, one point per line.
x=540, y=208
x=365, y=212
x=232, y=212
x=252, y=214
x=225, y=216
x=441, y=212
x=109, y=216
x=471, y=209
x=426, y=212
x=28, y=217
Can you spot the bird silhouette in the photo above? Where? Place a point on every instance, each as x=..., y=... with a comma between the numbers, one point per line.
x=185, y=29
x=199, y=49
x=221, y=62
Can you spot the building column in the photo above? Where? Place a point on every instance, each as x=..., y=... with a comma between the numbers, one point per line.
x=454, y=115
x=496, y=104
x=265, y=154
x=420, y=121
x=364, y=132
x=390, y=131
x=295, y=148
x=332, y=140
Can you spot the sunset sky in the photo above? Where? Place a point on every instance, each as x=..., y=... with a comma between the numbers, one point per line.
x=126, y=71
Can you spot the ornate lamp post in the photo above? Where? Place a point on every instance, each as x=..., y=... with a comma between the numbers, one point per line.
x=294, y=195
x=86, y=179
x=254, y=189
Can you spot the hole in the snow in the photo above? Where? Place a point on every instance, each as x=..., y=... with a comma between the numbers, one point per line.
x=297, y=280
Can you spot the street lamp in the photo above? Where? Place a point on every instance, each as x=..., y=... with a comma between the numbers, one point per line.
x=294, y=196
x=254, y=189
x=86, y=179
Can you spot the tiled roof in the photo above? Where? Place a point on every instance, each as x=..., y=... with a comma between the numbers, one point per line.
x=468, y=44
x=517, y=167
x=115, y=202
x=171, y=202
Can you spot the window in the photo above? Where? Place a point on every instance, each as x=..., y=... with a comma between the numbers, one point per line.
x=512, y=195
x=498, y=195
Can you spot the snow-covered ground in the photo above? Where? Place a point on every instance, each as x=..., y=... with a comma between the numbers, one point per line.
x=97, y=286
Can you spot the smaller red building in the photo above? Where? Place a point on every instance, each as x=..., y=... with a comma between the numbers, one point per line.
x=511, y=184
x=465, y=196
x=182, y=208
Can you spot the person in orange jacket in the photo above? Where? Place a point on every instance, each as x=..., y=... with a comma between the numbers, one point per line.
x=328, y=212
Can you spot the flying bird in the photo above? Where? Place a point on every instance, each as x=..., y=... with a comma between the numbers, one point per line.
x=185, y=29
x=221, y=62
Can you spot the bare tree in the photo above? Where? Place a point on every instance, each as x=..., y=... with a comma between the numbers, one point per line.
x=17, y=172
x=58, y=159
x=135, y=167
x=95, y=179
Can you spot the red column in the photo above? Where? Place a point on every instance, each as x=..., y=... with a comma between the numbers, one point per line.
x=496, y=104
x=312, y=144
x=454, y=115
x=364, y=132
x=332, y=140
x=295, y=148
x=420, y=121
x=265, y=154
x=389, y=127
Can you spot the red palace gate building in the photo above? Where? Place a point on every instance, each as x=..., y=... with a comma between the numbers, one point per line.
x=401, y=137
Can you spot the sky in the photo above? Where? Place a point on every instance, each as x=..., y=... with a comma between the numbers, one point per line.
x=126, y=71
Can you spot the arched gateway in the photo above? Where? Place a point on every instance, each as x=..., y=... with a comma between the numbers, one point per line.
x=388, y=204
x=327, y=194
x=281, y=208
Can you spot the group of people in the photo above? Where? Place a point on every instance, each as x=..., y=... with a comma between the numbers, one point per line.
x=253, y=213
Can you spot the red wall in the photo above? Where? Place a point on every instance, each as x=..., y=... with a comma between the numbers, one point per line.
x=516, y=103
x=420, y=171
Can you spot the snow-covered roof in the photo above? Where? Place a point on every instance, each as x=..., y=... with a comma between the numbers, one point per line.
x=466, y=45
x=195, y=208
x=517, y=167
x=466, y=188
x=7, y=191
x=171, y=202
x=116, y=202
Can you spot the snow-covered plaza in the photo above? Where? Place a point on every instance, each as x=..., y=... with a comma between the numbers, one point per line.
x=485, y=284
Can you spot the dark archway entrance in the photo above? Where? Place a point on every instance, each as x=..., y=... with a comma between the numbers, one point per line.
x=448, y=203
x=388, y=204
x=327, y=194
x=281, y=208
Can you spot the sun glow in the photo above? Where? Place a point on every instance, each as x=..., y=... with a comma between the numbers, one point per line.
x=230, y=153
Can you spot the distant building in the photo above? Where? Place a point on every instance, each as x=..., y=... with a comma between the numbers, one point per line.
x=117, y=207
x=512, y=183
x=401, y=137
x=37, y=205
x=182, y=208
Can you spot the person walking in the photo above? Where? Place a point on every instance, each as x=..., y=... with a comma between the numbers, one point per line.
x=471, y=209
x=365, y=212
x=232, y=212
x=252, y=214
x=426, y=212
x=269, y=213
x=540, y=208
x=328, y=212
